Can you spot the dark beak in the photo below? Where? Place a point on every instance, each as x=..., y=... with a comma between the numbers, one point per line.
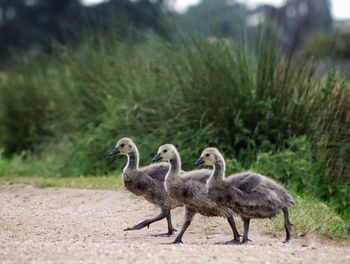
x=200, y=161
x=157, y=157
x=114, y=152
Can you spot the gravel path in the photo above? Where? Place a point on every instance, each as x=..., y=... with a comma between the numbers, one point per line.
x=85, y=226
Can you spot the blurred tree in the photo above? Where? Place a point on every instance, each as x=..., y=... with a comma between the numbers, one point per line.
x=296, y=19
x=226, y=18
x=323, y=46
x=299, y=18
x=30, y=25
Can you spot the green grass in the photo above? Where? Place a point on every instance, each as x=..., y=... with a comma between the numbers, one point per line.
x=309, y=216
x=91, y=182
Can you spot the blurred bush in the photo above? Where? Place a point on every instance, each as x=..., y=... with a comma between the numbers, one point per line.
x=325, y=46
x=298, y=170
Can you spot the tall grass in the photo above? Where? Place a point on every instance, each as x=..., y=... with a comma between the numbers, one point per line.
x=70, y=109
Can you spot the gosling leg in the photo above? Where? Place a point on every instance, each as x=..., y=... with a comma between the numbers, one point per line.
x=188, y=219
x=147, y=222
x=245, y=238
x=287, y=225
x=236, y=236
x=171, y=229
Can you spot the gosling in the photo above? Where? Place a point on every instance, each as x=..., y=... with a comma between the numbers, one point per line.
x=147, y=182
x=248, y=194
x=189, y=189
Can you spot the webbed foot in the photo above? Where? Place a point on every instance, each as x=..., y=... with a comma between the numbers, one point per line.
x=168, y=234
x=137, y=227
x=176, y=242
x=130, y=229
x=234, y=241
x=286, y=240
x=245, y=241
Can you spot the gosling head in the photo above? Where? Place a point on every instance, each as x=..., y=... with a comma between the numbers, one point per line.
x=166, y=152
x=208, y=157
x=123, y=147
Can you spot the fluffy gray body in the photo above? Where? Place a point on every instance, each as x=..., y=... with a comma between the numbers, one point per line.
x=190, y=190
x=249, y=194
x=147, y=182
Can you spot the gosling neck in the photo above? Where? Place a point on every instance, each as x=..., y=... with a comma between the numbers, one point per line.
x=175, y=166
x=218, y=170
x=133, y=160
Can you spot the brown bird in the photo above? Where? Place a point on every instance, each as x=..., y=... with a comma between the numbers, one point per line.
x=147, y=182
x=189, y=189
x=249, y=194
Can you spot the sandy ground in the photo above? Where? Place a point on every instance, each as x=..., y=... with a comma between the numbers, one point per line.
x=86, y=226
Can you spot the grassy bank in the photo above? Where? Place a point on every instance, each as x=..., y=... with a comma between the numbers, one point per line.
x=60, y=115
x=309, y=217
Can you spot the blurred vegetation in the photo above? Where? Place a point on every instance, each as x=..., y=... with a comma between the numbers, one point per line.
x=325, y=46
x=221, y=16
x=60, y=115
x=297, y=169
x=36, y=26
x=89, y=182
x=308, y=216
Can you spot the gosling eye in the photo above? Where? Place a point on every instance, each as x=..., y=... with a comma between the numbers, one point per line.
x=207, y=155
x=122, y=145
x=165, y=150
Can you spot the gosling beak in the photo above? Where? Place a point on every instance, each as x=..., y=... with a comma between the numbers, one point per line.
x=200, y=161
x=114, y=152
x=157, y=157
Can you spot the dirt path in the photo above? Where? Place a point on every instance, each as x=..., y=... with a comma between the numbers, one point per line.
x=85, y=226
